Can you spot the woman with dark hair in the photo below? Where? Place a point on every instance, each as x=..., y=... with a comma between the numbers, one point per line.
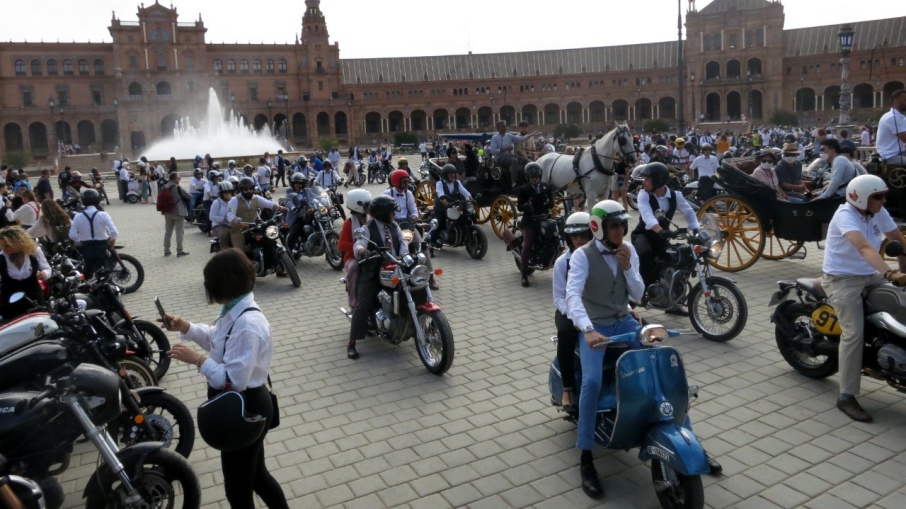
x=27, y=213
x=244, y=361
x=53, y=223
x=471, y=164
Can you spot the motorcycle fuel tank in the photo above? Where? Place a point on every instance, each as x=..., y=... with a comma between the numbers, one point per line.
x=24, y=330
x=888, y=298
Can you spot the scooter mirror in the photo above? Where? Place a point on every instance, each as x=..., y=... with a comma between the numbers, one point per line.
x=16, y=297
x=358, y=233
x=894, y=248
x=652, y=334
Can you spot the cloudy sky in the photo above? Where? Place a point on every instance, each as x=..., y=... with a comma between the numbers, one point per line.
x=389, y=28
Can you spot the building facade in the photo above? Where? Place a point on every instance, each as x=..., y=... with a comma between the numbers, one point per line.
x=739, y=64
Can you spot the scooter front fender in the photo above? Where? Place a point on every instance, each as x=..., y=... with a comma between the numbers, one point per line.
x=677, y=446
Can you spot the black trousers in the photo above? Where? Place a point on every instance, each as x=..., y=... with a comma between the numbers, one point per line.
x=369, y=286
x=244, y=471
x=94, y=254
x=567, y=338
x=281, y=177
x=647, y=245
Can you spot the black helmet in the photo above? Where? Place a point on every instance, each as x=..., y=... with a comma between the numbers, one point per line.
x=533, y=170
x=248, y=167
x=789, y=138
x=225, y=426
x=298, y=177
x=449, y=169
x=91, y=197
x=246, y=182
x=727, y=155
x=657, y=172
x=383, y=207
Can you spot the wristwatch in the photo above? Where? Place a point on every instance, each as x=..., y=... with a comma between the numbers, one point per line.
x=588, y=328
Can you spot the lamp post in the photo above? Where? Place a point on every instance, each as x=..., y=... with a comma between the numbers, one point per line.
x=846, y=45
x=116, y=107
x=681, y=119
x=351, y=126
x=270, y=105
x=799, y=107
x=638, y=102
x=692, y=90
x=286, y=129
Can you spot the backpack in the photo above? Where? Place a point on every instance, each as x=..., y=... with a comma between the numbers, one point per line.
x=165, y=201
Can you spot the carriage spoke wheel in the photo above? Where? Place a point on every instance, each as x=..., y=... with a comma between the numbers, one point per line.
x=503, y=215
x=776, y=248
x=482, y=214
x=560, y=205
x=424, y=196
x=887, y=241
x=744, y=239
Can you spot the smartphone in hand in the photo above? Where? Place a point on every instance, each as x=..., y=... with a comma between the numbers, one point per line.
x=160, y=309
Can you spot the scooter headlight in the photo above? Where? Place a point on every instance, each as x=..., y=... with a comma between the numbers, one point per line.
x=653, y=334
x=318, y=215
x=271, y=232
x=323, y=210
x=419, y=276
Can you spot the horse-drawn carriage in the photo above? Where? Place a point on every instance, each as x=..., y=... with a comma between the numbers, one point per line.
x=757, y=224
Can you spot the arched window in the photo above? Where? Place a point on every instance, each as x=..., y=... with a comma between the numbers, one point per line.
x=83, y=66
x=231, y=65
x=36, y=68
x=282, y=65
x=67, y=67
x=243, y=65
x=218, y=66
x=98, y=67
x=52, y=67
x=256, y=65
x=135, y=88
x=20, y=67
x=270, y=65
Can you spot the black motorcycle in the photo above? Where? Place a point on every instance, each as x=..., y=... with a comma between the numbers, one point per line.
x=550, y=241
x=318, y=236
x=200, y=218
x=378, y=172
x=460, y=230
x=127, y=271
x=717, y=308
x=17, y=492
x=336, y=198
x=265, y=248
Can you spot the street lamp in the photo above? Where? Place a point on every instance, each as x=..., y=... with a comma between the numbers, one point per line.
x=349, y=128
x=56, y=139
x=799, y=106
x=286, y=133
x=692, y=90
x=846, y=45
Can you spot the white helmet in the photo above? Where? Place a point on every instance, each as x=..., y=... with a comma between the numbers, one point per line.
x=577, y=222
x=861, y=187
x=358, y=200
x=605, y=212
x=231, y=163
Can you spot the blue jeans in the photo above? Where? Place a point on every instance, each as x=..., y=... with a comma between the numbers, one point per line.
x=592, y=362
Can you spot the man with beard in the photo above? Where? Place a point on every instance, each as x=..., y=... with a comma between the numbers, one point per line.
x=244, y=209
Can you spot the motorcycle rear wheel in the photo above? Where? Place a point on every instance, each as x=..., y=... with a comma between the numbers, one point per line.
x=436, y=353
x=153, y=350
x=290, y=267
x=170, y=419
x=160, y=471
x=687, y=493
x=734, y=311
x=138, y=373
x=477, y=245
x=821, y=366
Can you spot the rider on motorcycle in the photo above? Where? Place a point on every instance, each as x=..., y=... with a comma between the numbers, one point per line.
x=218, y=215
x=406, y=212
x=852, y=265
x=231, y=170
x=328, y=177
x=598, y=290
x=358, y=202
x=535, y=199
x=403, y=164
x=448, y=190
x=300, y=212
x=244, y=209
x=651, y=234
x=196, y=187
x=384, y=232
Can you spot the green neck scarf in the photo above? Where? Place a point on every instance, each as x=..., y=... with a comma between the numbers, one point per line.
x=229, y=305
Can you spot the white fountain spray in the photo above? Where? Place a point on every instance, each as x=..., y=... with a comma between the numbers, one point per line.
x=222, y=139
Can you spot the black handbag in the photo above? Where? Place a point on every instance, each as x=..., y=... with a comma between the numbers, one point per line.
x=275, y=418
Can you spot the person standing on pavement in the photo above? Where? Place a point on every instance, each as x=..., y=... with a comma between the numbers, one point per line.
x=43, y=189
x=280, y=162
x=852, y=265
x=123, y=180
x=264, y=175
x=176, y=218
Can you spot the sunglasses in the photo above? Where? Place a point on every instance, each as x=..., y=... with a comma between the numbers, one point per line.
x=878, y=197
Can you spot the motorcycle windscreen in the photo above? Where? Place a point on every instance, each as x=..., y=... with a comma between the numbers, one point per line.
x=651, y=387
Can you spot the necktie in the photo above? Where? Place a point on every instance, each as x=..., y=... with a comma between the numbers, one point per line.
x=388, y=242
x=538, y=189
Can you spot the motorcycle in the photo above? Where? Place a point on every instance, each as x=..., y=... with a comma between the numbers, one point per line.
x=200, y=218
x=17, y=492
x=318, y=238
x=127, y=272
x=336, y=198
x=461, y=230
x=42, y=419
x=717, y=309
x=678, y=181
x=550, y=241
x=404, y=308
x=808, y=333
x=644, y=403
x=99, y=187
x=265, y=249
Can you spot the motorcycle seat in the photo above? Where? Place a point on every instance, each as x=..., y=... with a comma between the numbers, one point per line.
x=813, y=285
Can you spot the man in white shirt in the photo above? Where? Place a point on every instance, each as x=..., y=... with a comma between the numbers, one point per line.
x=502, y=146
x=891, y=136
x=865, y=137
x=123, y=180
x=94, y=231
x=706, y=164
x=853, y=264
x=423, y=150
x=264, y=175
x=328, y=177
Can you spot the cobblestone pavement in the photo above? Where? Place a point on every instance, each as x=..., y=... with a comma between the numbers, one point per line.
x=383, y=432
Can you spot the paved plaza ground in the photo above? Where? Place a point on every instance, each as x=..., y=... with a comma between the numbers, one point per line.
x=383, y=432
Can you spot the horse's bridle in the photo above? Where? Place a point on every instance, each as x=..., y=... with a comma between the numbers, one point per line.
x=621, y=141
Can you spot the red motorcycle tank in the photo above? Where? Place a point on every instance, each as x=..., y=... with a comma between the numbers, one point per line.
x=25, y=329
x=888, y=298
x=388, y=269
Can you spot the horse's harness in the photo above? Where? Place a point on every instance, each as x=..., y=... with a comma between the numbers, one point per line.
x=596, y=160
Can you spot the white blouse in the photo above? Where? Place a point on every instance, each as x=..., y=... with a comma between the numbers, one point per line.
x=22, y=273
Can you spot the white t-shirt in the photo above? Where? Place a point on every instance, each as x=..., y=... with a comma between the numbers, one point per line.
x=841, y=258
x=888, y=145
x=264, y=175
x=706, y=166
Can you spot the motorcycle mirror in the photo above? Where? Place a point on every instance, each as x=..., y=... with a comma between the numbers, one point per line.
x=894, y=249
x=358, y=233
x=16, y=297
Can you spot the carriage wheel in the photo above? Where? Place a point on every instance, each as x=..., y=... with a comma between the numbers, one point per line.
x=561, y=207
x=503, y=215
x=776, y=248
x=887, y=241
x=424, y=196
x=745, y=238
x=482, y=214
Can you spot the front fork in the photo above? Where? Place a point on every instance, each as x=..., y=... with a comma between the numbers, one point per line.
x=419, y=332
x=105, y=445
x=704, y=276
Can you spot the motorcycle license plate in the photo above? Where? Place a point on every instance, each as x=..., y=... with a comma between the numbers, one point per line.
x=825, y=320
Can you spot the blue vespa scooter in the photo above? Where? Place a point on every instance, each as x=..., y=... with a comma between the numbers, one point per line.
x=643, y=404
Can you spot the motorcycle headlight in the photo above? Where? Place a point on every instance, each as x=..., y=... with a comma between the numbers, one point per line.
x=271, y=232
x=715, y=248
x=470, y=207
x=323, y=210
x=318, y=215
x=421, y=259
x=408, y=261
x=333, y=213
x=420, y=275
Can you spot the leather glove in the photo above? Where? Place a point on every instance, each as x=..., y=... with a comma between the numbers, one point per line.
x=896, y=277
x=667, y=234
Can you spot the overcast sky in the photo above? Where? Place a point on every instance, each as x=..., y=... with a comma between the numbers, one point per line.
x=391, y=28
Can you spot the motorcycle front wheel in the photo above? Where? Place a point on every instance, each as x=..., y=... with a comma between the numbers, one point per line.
x=290, y=267
x=380, y=177
x=169, y=419
x=477, y=244
x=436, y=352
x=687, y=492
x=152, y=347
x=127, y=272
x=812, y=366
x=138, y=373
x=632, y=197
x=165, y=480
x=332, y=252
x=723, y=315
x=360, y=178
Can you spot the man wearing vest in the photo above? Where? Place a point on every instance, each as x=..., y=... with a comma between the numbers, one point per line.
x=384, y=232
x=94, y=232
x=244, y=209
x=603, y=275
x=280, y=162
x=448, y=190
x=651, y=234
x=534, y=199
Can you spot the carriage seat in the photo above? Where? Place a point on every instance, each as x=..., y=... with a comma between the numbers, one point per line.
x=813, y=285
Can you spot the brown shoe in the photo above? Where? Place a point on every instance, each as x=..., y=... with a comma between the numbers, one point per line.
x=854, y=410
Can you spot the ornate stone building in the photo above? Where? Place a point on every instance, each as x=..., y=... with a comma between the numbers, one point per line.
x=739, y=61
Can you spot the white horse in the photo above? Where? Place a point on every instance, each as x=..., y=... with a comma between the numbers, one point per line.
x=587, y=178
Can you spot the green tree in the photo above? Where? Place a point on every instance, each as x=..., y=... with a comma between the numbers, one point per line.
x=15, y=158
x=567, y=131
x=657, y=125
x=328, y=142
x=784, y=117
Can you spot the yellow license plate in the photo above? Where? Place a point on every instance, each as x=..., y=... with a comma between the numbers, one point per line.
x=825, y=320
